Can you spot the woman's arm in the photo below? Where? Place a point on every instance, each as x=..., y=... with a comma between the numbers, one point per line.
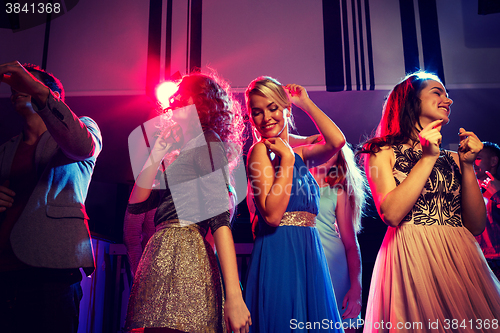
x=270, y=187
x=165, y=143
x=236, y=313
x=394, y=202
x=473, y=207
x=344, y=213
x=144, y=182
x=333, y=138
x=295, y=140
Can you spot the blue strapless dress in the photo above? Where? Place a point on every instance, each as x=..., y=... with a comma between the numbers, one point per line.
x=288, y=284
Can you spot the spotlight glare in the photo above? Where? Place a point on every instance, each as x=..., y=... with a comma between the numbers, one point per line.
x=164, y=91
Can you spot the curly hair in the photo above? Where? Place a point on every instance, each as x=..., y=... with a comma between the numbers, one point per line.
x=401, y=112
x=217, y=109
x=48, y=79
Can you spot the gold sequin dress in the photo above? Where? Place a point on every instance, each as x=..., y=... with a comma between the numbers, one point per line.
x=177, y=283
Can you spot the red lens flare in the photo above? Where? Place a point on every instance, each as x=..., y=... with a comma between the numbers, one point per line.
x=164, y=91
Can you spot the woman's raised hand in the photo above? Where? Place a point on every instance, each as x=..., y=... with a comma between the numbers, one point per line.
x=297, y=94
x=168, y=140
x=469, y=147
x=430, y=138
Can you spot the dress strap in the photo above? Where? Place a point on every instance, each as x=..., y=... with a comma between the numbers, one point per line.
x=298, y=219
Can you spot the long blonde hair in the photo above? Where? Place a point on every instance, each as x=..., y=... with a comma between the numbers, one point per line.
x=346, y=173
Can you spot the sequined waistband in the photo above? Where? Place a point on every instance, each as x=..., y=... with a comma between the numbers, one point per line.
x=298, y=219
x=176, y=223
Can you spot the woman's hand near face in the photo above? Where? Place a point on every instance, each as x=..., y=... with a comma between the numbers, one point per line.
x=280, y=148
x=430, y=139
x=169, y=139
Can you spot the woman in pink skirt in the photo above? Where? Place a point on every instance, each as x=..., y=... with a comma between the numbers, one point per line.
x=430, y=274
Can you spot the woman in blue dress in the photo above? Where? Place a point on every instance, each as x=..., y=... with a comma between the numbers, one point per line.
x=288, y=284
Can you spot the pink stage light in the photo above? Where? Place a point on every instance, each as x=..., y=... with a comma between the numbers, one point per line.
x=164, y=91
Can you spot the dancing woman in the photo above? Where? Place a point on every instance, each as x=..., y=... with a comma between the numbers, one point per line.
x=288, y=285
x=178, y=286
x=430, y=273
x=342, y=187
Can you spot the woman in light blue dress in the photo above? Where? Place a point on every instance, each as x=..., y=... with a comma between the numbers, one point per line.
x=288, y=285
x=342, y=188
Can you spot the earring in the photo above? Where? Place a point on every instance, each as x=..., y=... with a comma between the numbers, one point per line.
x=256, y=135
